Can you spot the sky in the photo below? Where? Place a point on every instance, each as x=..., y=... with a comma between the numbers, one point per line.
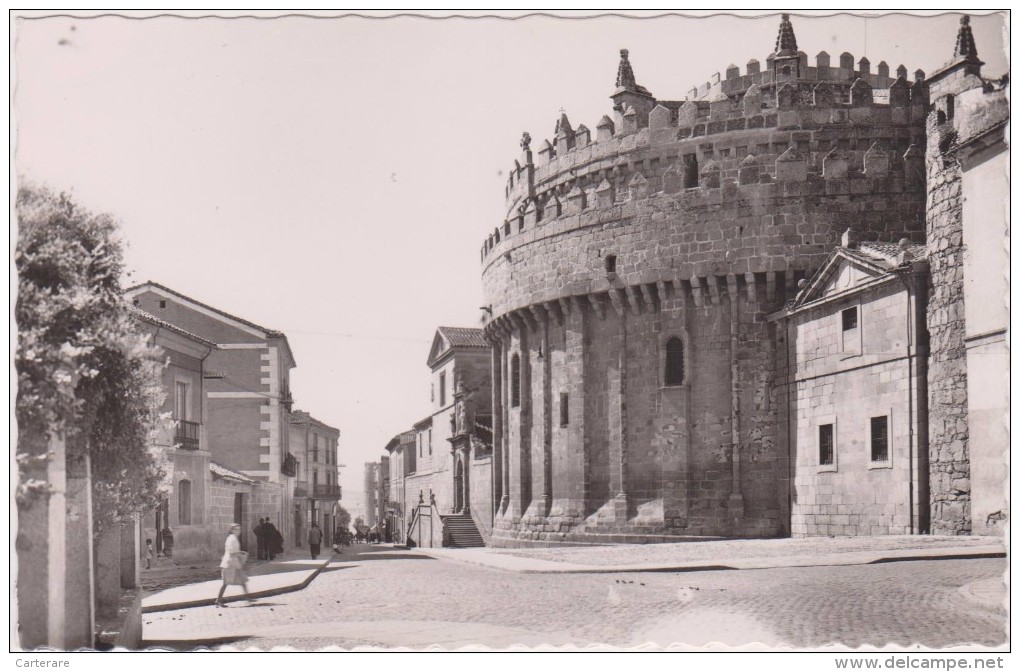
x=334, y=178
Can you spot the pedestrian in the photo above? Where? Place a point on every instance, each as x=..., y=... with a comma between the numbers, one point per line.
x=314, y=540
x=148, y=553
x=260, y=542
x=232, y=565
x=273, y=540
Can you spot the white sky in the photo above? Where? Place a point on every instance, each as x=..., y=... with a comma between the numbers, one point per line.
x=334, y=178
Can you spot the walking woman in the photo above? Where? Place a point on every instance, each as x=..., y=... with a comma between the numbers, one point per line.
x=232, y=565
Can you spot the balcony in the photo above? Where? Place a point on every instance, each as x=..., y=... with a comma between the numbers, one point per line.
x=289, y=466
x=186, y=434
x=327, y=491
x=301, y=489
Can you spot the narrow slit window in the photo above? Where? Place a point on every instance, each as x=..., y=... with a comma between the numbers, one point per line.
x=826, y=445
x=515, y=381
x=564, y=410
x=674, y=362
x=880, y=439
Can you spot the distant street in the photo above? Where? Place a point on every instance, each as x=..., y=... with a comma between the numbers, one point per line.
x=379, y=596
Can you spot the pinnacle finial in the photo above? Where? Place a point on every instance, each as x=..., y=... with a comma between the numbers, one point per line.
x=786, y=41
x=965, y=47
x=526, y=141
x=625, y=73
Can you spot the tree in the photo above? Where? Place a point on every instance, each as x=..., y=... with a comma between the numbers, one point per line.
x=85, y=373
x=343, y=518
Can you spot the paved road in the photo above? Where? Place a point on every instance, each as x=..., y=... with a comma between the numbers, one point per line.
x=377, y=596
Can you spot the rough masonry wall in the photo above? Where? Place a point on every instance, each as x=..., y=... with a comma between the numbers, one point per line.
x=692, y=220
x=948, y=430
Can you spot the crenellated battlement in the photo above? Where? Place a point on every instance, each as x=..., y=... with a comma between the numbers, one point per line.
x=732, y=82
x=734, y=130
x=757, y=164
x=752, y=173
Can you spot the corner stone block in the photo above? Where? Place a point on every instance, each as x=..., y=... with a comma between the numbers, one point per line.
x=630, y=120
x=822, y=96
x=582, y=136
x=876, y=162
x=791, y=167
x=835, y=165
x=659, y=117
x=749, y=171
x=672, y=180
x=688, y=114
x=606, y=129
x=551, y=209
x=531, y=215
x=710, y=175
x=720, y=106
x=786, y=97
x=638, y=186
x=899, y=93
x=861, y=94
x=546, y=152
x=605, y=194
x=573, y=202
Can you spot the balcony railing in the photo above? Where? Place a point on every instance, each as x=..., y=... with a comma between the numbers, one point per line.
x=301, y=489
x=327, y=491
x=186, y=434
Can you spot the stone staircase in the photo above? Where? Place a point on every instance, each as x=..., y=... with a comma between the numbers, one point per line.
x=462, y=531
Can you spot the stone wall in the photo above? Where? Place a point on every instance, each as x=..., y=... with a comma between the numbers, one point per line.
x=948, y=427
x=636, y=458
x=689, y=219
x=845, y=385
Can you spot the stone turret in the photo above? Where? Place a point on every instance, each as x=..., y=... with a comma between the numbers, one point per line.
x=786, y=60
x=965, y=47
x=956, y=75
x=630, y=94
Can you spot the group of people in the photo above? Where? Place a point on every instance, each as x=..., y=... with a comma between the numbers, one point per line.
x=268, y=540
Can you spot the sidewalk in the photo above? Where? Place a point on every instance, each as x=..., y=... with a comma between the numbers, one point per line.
x=292, y=571
x=733, y=554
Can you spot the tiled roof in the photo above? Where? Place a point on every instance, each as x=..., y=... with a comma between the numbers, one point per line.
x=219, y=471
x=889, y=252
x=463, y=337
x=270, y=333
x=163, y=324
x=300, y=417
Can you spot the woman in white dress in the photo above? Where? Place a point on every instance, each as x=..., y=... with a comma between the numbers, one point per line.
x=232, y=565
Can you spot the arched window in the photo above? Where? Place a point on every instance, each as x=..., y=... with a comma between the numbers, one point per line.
x=184, y=502
x=674, y=361
x=515, y=381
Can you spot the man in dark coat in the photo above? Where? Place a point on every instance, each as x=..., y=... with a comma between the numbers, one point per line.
x=260, y=539
x=314, y=540
x=273, y=540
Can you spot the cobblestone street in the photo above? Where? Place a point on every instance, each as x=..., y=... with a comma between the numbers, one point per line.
x=379, y=596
